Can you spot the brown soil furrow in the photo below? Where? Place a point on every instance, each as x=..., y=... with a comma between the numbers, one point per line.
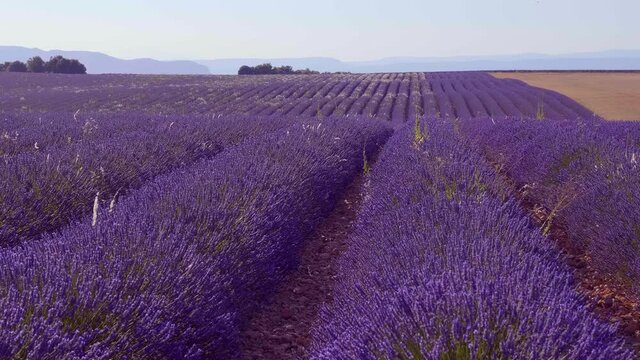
x=281, y=329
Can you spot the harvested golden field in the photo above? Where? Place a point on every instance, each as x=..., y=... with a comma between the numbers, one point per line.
x=614, y=96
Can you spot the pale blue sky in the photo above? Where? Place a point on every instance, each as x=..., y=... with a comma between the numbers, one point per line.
x=346, y=29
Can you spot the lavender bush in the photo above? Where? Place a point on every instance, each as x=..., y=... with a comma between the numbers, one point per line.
x=585, y=174
x=45, y=190
x=174, y=270
x=444, y=264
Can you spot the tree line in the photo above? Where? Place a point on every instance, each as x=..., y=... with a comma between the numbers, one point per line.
x=268, y=69
x=56, y=64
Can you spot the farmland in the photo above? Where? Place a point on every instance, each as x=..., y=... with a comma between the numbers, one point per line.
x=397, y=96
x=333, y=216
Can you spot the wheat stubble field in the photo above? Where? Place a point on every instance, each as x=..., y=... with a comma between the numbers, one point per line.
x=612, y=95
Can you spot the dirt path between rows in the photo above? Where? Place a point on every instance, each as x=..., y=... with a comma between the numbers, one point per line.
x=281, y=329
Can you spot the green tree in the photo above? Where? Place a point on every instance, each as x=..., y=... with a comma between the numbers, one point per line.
x=264, y=69
x=61, y=65
x=36, y=65
x=245, y=70
x=16, y=66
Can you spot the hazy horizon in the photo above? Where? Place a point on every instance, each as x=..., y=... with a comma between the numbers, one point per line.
x=345, y=30
x=391, y=56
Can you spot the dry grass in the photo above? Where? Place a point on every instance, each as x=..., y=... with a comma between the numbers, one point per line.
x=614, y=96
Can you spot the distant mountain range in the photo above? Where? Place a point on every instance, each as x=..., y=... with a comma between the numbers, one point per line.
x=101, y=63
x=604, y=60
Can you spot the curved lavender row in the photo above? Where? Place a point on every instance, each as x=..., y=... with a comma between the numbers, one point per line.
x=405, y=106
x=586, y=174
x=445, y=109
x=373, y=106
x=180, y=263
x=386, y=104
x=44, y=191
x=563, y=100
x=478, y=94
x=443, y=264
x=496, y=101
x=343, y=107
x=478, y=109
x=459, y=105
x=320, y=99
x=414, y=105
x=359, y=104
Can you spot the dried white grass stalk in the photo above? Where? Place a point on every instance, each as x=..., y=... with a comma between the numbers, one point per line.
x=112, y=204
x=96, y=205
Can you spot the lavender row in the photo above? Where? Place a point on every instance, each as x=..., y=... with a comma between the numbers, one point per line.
x=37, y=132
x=179, y=264
x=43, y=192
x=585, y=175
x=477, y=95
x=444, y=264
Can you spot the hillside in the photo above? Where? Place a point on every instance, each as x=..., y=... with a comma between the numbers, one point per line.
x=99, y=63
x=603, y=60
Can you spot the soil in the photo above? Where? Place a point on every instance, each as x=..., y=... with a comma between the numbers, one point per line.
x=612, y=95
x=281, y=330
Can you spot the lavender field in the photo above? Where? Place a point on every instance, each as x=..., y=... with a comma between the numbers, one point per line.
x=446, y=215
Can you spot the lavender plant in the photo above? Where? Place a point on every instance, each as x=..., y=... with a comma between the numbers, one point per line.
x=177, y=267
x=44, y=191
x=444, y=264
x=584, y=174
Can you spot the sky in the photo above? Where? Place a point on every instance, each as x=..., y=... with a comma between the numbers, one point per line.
x=349, y=30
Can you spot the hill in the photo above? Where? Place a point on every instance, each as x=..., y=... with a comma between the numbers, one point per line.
x=604, y=60
x=99, y=63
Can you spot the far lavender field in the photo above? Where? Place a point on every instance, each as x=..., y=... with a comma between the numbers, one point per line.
x=395, y=96
x=335, y=216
